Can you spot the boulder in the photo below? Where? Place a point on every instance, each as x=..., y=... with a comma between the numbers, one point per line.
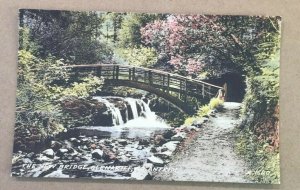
x=98, y=154
x=164, y=155
x=172, y=145
x=75, y=141
x=140, y=147
x=168, y=134
x=123, y=160
x=140, y=173
x=49, y=153
x=155, y=161
x=23, y=161
x=30, y=155
x=88, y=112
x=122, y=141
x=61, y=152
x=159, y=140
x=178, y=137
x=93, y=146
x=42, y=159
x=192, y=128
x=144, y=142
x=55, y=145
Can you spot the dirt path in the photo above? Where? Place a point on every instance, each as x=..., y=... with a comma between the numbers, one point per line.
x=210, y=157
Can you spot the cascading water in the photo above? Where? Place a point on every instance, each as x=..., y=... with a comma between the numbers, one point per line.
x=142, y=116
x=138, y=120
x=116, y=114
x=132, y=102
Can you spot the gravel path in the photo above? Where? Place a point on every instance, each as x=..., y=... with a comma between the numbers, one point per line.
x=210, y=157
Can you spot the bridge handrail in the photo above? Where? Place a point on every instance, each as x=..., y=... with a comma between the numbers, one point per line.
x=146, y=69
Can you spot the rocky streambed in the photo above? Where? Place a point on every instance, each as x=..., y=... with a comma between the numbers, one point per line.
x=133, y=154
x=135, y=144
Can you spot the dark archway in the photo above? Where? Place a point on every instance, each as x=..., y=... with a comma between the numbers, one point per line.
x=234, y=83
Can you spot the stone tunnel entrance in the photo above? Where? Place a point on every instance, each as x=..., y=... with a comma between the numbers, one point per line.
x=235, y=85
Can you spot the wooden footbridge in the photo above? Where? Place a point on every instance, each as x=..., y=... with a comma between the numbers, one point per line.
x=174, y=88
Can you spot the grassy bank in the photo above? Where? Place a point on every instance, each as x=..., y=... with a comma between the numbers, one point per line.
x=204, y=110
x=263, y=161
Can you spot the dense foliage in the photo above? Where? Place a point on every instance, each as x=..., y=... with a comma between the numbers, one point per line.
x=191, y=45
x=194, y=43
x=258, y=138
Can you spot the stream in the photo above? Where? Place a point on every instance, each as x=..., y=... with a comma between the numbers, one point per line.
x=137, y=145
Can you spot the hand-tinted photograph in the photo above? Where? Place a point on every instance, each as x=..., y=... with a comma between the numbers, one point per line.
x=140, y=96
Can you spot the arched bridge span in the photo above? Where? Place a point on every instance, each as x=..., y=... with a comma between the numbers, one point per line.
x=174, y=88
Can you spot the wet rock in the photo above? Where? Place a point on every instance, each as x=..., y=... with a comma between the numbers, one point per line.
x=61, y=152
x=192, y=128
x=57, y=174
x=178, y=137
x=49, y=153
x=123, y=160
x=77, y=159
x=155, y=161
x=75, y=141
x=84, y=147
x=159, y=140
x=163, y=149
x=168, y=134
x=144, y=142
x=111, y=156
x=164, y=155
x=98, y=154
x=93, y=146
x=83, y=110
x=153, y=149
x=122, y=141
x=148, y=166
x=172, y=145
x=140, y=173
x=42, y=159
x=30, y=155
x=140, y=148
x=55, y=145
x=85, y=140
x=25, y=161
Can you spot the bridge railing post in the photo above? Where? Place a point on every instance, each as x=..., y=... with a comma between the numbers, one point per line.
x=99, y=71
x=117, y=72
x=150, y=77
x=185, y=91
x=168, y=83
x=163, y=84
x=114, y=68
x=133, y=73
x=129, y=70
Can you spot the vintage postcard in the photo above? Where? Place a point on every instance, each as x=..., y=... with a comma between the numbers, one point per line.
x=139, y=96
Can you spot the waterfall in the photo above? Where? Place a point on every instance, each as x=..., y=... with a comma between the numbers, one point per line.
x=142, y=114
x=116, y=114
x=132, y=102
